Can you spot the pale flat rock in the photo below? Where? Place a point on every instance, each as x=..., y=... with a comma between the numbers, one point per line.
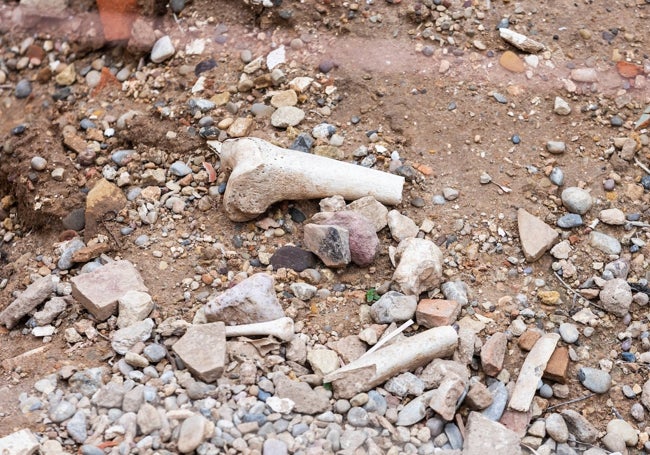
x=401, y=226
x=536, y=236
x=133, y=306
x=252, y=300
x=372, y=209
x=99, y=291
x=420, y=266
x=306, y=400
x=445, y=397
x=531, y=372
x=124, y=339
x=29, y=299
x=323, y=361
x=203, y=350
x=22, y=442
x=485, y=436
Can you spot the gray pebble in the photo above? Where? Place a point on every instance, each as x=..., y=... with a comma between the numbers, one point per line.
x=91, y=450
x=555, y=147
x=546, y=391
x=637, y=412
x=598, y=381
x=438, y=199
x=500, y=98
x=122, y=157
x=454, y=435
x=177, y=5
x=569, y=221
x=376, y=403
x=155, y=352
x=23, y=88
x=556, y=176
x=180, y=169
x=76, y=427
x=141, y=240
x=65, y=261
x=557, y=428
x=616, y=121
x=569, y=332
x=499, y=401
x=38, y=163
x=358, y=417
x=342, y=406
x=61, y=411
x=576, y=200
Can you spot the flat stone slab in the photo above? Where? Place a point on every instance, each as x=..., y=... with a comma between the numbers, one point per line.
x=485, y=436
x=203, y=350
x=531, y=372
x=21, y=442
x=99, y=290
x=536, y=236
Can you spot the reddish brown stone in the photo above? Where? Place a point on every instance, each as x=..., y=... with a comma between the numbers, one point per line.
x=528, y=339
x=493, y=353
x=437, y=312
x=88, y=253
x=558, y=365
x=117, y=16
x=516, y=421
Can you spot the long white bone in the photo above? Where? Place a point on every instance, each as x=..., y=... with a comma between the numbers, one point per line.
x=263, y=173
x=280, y=328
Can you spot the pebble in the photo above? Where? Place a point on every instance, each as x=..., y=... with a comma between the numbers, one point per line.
x=162, y=49
x=556, y=176
x=569, y=221
x=598, y=381
x=569, y=332
x=358, y=417
x=515, y=139
x=500, y=98
x=557, y=428
x=23, y=89
x=287, y=116
x=180, y=169
x=555, y=147
x=577, y=200
x=616, y=121
x=38, y=163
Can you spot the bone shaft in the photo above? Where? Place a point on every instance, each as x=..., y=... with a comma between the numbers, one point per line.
x=281, y=328
x=406, y=355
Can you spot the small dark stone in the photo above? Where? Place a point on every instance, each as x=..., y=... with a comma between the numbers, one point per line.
x=177, y=5
x=296, y=215
x=17, y=130
x=503, y=23
x=255, y=262
x=87, y=157
x=292, y=257
x=325, y=66
x=221, y=39
x=608, y=36
x=569, y=221
x=417, y=202
x=633, y=216
x=237, y=241
x=628, y=357
x=451, y=106
x=62, y=93
x=516, y=139
x=339, y=287
x=609, y=185
x=616, y=121
x=634, y=248
x=285, y=14
x=23, y=88
x=75, y=220
x=205, y=65
x=221, y=188
x=645, y=181
x=209, y=132
x=427, y=51
x=355, y=119
x=407, y=172
x=501, y=99
x=263, y=396
x=302, y=143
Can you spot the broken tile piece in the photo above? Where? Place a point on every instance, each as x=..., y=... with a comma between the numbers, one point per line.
x=536, y=236
x=203, y=350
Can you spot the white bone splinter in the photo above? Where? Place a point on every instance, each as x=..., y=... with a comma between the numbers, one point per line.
x=280, y=328
x=263, y=173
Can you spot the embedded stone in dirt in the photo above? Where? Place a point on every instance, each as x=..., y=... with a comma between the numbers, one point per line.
x=511, y=61
x=203, y=350
x=420, y=266
x=104, y=200
x=99, y=290
x=536, y=236
x=485, y=436
x=252, y=300
x=372, y=209
x=30, y=298
x=294, y=258
x=330, y=243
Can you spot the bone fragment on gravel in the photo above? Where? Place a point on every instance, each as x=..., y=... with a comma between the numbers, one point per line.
x=373, y=369
x=521, y=41
x=280, y=328
x=263, y=173
x=532, y=371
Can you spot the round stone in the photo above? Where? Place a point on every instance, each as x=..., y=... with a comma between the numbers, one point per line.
x=358, y=417
x=546, y=391
x=287, y=116
x=598, y=381
x=569, y=332
x=23, y=88
x=577, y=200
x=38, y=163
x=557, y=428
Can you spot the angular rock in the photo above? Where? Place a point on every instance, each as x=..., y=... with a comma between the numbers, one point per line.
x=401, y=226
x=363, y=240
x=520, y=41
x=194, y=430
x=124, y=339
x=445, y=397
x=307, y=401
x=493, y=354
x=287, y=116
x=558, y=365
x=478, y=397
x=323, y=361
x=483, y=436
x=557, y=428
x=393, y=307
x=162, y=49
x=436, y=312
x=252, y=300
x=133, y=306
x=330, y=243
x=110, y=395
x=616, y=297
x=98, y=291
x=148, y=419
x=372, y=209
x=29, y=299
x=349, y=348
x=536, y=236
x=420, y=266
x=405, y=384
x=456, y=290
x=294, y=258
x=531, y=372
x=439, y=369
x=51, y=309
x=104, y=199
x=580, y=427
x=203, y=350
x=22, y=442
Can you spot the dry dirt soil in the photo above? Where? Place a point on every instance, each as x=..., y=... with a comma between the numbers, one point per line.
x=383, y=78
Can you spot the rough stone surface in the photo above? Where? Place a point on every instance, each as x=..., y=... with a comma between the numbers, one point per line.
x=133, y=306
x=362, y=236
x=29, y=299
x=536, y=236
x=252, y=300
x=420, y=266
x=616, y=297
x=486, y=436
x=401, y=226
x=444, y=398
x=493, y=353
x=372, y=209
x=294, y=258
x=330, y=243
x=307, y=401
x=124, y=339
x=203, y=350
x=393, y=307
x=105, y=198
x=605, y=243
x=576, y=200
x=437, y=312
x=579, y=426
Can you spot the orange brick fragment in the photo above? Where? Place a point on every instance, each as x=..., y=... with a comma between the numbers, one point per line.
x=558, y=365
x=528, y=339
x=437, y=312
x=117, y=17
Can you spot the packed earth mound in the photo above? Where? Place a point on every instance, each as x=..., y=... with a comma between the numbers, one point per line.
x=324, y=227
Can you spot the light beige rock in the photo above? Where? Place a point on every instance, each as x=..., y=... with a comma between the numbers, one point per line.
x=420, y=266
x=203, y=350
x=536, y=236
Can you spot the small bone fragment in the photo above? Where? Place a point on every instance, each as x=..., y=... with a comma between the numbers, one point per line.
x=373, y=369
x=531, y=372
x=263, y=173
x=521, y=41
x=280, y=328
